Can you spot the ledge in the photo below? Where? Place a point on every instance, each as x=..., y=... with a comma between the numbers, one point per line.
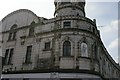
x=7, y=65
x=47, y=49
x=66, y=56
x=54, y=70
x=22, y=37
x=11, y=40
x=84, y=57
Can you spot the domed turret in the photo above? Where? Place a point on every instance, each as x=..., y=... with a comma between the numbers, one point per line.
x=69, y=8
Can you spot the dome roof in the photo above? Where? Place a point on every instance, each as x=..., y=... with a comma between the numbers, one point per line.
x=20, y=17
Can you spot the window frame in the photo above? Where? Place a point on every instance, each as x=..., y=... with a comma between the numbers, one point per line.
x=47, y=46
x=31, y=31
x=67, y=46
x=67, y=24
x=11, y=52
x=13, y=32
x=8, y=56
x=28, y=54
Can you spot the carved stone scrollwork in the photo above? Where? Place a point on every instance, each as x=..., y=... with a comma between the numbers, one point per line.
x=67, y=38
x=58, y=36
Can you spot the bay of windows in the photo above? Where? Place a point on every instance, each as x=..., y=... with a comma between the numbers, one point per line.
x=8, y=56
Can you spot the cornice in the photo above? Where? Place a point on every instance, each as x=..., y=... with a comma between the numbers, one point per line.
x=70, y=17
x=55, y=70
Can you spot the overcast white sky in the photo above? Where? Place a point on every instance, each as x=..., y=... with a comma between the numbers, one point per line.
x=106, y=14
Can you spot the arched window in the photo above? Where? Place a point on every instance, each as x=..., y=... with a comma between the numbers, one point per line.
x=84, y=49
x=67, y=48
x=12, y=34
x=32, y=23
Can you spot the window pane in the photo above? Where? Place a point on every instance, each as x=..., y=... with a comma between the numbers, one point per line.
x=10, y=56
x=14, y=35
x=67, y=24
x=14, y=26
x=66, y=48
x=28, y=54
x=10, y=36
x=47, y=45
x=31, y=31
x=6, y=56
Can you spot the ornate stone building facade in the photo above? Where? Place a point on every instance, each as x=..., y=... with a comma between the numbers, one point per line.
x=67, y=46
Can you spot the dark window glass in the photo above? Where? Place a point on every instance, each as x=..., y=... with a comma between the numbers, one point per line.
x=94, y=30
x=66, y=48
x=14, y=35
x=31, y=31
x=10, y=56
x=14, y=26
x=67, y=24
x=6, y=56
x=10, y=36
x=28, y=54
x=33, y=23
x=47, y=45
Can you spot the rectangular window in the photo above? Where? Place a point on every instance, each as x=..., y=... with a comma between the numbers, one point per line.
x=6, y=57
x=10, y=36
x=47, y=45
x=28, y=54
x=10, y=56
x=31, y=31
x=14, y=35
x=67, y=24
